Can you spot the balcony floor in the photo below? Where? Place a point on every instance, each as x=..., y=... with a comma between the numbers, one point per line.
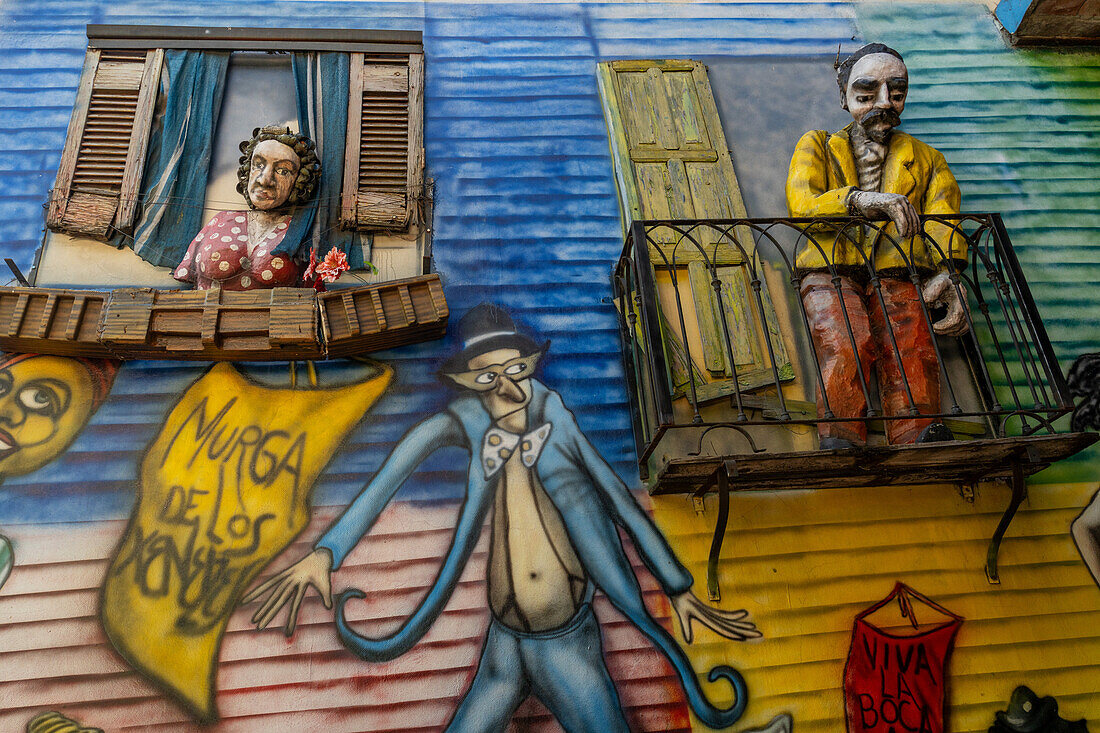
x=960, y=461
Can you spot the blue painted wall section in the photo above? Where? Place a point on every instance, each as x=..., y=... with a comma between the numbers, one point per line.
x=1011, y=12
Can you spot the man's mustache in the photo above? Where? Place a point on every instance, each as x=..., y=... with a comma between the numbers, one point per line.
x=887, y=115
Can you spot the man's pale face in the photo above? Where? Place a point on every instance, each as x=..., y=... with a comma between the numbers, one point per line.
x=507, y=395
x=272, y=175
x=876, y=93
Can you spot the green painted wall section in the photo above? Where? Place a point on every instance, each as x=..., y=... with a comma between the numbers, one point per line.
x=1021, y=131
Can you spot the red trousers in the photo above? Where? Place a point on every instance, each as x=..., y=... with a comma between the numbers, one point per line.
x=841, y=366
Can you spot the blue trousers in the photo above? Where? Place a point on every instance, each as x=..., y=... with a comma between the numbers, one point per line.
x=563, y=667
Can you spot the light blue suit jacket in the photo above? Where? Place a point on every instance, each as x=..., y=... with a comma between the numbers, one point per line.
x=591, y=500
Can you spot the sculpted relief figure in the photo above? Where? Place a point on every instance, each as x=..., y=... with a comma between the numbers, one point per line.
x=235, y=250
x=554, y=507
x=870, y=169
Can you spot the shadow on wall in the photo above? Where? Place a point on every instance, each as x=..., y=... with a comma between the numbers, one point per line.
x=766, y=104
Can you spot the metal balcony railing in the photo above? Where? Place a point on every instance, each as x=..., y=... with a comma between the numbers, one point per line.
x=726, y=384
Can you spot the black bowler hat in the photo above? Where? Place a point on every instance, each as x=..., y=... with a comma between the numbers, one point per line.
x=485, y=328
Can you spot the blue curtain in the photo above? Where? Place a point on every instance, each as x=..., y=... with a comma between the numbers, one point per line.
x=178, y=162
x=321, y=84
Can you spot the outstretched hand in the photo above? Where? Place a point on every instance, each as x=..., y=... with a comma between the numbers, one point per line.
x=290, y=586
x=939, y=289
x=730, y=624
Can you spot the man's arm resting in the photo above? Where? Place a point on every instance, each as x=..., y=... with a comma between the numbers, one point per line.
x=808, y=193
x=942, y=197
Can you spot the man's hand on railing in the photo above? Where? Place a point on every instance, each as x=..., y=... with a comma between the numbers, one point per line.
x=892, y=206
x=940, y=290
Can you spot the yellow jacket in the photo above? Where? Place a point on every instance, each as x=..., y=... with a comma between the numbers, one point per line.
x=823, y=174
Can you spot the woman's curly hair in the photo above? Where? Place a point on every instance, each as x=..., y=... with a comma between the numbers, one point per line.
x=309, y=166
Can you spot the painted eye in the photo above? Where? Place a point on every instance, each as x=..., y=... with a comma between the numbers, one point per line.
x=5, y=384
x=513, y=369
x=486, y=378
x=40, y=400
x=283, y=171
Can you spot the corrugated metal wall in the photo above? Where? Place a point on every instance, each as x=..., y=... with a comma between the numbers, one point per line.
x=527, y=217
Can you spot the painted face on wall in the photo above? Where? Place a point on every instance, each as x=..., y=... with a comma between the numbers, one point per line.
x=876, y=93
x=274, y=170
x=44, y=402
x=501, y=378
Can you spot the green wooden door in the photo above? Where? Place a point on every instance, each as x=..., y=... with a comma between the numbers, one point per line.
x=671, y=162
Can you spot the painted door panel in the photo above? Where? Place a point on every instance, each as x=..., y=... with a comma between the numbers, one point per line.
x=672, y=162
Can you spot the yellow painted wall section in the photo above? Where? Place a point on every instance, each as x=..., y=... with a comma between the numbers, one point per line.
x=804, y=563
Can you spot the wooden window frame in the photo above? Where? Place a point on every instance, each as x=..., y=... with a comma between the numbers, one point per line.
x=97, y=213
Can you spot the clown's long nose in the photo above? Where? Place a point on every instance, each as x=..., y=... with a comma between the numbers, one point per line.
x=509, y=390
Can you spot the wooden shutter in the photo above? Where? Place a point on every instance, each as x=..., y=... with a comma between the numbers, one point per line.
x=672, y=162
x=384, y=159
x=100, y=173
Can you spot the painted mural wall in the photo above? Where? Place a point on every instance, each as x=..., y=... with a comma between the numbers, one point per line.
x=455, y=534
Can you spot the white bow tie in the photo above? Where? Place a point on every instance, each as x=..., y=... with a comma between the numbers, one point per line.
x=498, y=446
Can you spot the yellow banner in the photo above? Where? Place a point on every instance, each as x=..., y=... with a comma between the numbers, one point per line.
x=225, y=487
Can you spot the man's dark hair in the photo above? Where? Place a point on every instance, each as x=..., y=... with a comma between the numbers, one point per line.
x=844, y=69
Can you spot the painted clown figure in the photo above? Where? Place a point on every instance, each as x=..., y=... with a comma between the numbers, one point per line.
x=553, y=505
x=857, y=282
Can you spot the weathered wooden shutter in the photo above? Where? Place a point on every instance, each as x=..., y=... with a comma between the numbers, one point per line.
x=672, y=162
x=100, y=172
x=384, y=158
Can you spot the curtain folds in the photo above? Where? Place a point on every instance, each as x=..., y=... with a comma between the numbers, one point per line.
x=178, y=161
x=321, y=85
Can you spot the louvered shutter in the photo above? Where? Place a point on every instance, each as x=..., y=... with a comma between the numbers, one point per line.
x=101, y=166
x=384, y=159
x=672, y=162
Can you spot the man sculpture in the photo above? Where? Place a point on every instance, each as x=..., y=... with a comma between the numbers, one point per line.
x=553, y=505
x=873, y=171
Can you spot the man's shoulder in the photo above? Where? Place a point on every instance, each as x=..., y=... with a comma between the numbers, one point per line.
x=816, y=138
x=918, y=145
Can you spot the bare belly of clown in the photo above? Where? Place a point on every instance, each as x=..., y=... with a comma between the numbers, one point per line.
x=536, y=581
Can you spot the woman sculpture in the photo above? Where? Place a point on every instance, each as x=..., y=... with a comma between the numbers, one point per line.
x=235, y=250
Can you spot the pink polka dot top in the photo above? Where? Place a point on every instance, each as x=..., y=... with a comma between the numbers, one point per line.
x=219, y=254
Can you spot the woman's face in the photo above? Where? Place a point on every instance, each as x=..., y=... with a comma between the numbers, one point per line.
x=44, y=402
x=273, y=171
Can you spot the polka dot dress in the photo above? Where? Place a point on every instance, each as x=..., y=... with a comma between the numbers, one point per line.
x=219, y=254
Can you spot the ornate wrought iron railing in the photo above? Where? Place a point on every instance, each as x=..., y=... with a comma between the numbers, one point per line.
x=725, y=381
x=1006, y=350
